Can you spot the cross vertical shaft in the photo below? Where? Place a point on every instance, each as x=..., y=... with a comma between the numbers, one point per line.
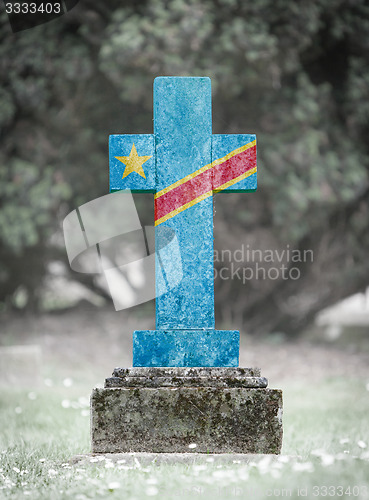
x=182, y=127
x=182, y=163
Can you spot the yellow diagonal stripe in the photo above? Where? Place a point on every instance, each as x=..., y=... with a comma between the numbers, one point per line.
x=206, y=167
x=205, y=195
x=235, y=180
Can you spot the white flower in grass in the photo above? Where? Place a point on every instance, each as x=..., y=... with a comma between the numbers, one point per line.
x=83, y=401
x=26, y=492
x=42, y=460
x=94, y=459
x=67, y=382
x=318, y=453
x=192, y=446
x=109, y=465
x=303, y=467
x=152, y=480
x=18, y=410
x=264, y=464
x=218, y=473
x=199, y=467
x=65, y=403
x=275, y=473
x=152, y=491
x=15, y=469
x=52, y=472
x=225, y=474
x=327, y=460
x=124, y=467
x=32, y=396
x=114, y=485
x=8, y=483
x=206, y=479
x=121, y=461
x=361, y=444
x=85, y=413
x=341, y=456
x=277, y=465
x=210, y=459
x=344, y=440
x=243, y=474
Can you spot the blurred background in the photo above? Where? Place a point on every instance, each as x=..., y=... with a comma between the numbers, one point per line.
x=294, y=73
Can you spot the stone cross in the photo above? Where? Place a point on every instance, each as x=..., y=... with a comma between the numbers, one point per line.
x=183, y=164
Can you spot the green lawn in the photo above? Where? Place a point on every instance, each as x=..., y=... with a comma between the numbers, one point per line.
x=325, y=451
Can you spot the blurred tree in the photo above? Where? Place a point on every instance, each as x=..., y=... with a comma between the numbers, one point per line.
x=296, y=74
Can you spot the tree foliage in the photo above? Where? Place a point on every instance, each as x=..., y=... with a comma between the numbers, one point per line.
x=294, y=73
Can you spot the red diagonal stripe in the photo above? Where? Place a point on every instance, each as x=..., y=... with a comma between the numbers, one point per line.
x=182, y=194
x=234, y=167
x=212, y=178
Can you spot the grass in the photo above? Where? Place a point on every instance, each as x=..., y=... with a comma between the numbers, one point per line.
x=325, y=451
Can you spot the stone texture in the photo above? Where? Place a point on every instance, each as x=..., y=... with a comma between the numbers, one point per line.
x=189, y=377
x=217, y=420
x=236, y=165
x=214, y=408
x=186, y=348
x=251, y=382
x=187, y=164
x=186, y=372
x=182, y=118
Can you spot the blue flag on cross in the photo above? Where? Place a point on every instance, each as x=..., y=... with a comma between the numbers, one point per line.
x=183, y=164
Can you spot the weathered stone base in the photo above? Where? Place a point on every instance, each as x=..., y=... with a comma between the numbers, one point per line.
x=220, y=414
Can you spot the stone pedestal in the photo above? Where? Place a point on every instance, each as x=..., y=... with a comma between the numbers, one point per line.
x=165, y=410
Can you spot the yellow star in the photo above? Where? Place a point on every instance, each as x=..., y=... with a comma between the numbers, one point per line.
x=133, y=163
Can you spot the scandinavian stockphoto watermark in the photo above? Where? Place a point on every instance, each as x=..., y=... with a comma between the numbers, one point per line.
x=104, y=237
x=246, y=263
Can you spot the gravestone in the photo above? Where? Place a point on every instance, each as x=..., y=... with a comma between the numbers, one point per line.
x=185, y=387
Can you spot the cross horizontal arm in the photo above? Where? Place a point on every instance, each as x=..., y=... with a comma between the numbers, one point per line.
x=234, y=163
x=132, y=162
